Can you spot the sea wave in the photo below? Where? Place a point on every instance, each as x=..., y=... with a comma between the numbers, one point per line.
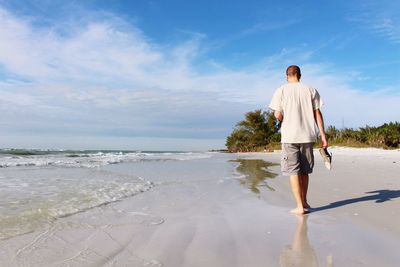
x=23, y=213
x=85, y=159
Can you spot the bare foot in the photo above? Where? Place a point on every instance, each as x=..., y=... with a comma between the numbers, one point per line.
x=298, y=211
x=306, y=206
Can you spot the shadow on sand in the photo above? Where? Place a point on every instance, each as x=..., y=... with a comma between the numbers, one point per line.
x=379, y=196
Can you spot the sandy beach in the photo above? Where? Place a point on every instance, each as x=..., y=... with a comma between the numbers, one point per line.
x=232, y=210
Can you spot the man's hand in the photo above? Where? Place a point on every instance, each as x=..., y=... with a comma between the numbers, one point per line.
x=278, y=115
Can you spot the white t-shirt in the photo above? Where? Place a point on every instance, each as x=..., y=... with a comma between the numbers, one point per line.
x=297, y=102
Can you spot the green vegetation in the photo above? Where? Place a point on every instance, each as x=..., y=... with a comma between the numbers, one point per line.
x=385, y=136
x=260, y=130
x=256, y=131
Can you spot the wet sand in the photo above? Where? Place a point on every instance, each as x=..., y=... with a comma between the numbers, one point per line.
x=232, y=210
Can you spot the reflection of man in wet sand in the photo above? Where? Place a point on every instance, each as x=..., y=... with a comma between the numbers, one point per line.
x=300, y=253
x=297, y=105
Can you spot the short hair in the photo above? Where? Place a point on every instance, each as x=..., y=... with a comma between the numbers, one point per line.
x=293, y=70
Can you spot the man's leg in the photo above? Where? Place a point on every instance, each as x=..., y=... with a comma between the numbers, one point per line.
x=297, y=193
x=307, y=164
x=304, y=188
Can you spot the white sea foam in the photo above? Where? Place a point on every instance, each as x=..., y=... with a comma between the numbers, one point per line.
x=94, y=159
x=31, y=201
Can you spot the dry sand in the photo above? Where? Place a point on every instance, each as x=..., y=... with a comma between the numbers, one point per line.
x=220, y=222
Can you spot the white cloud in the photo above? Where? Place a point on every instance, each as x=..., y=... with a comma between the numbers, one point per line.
x=389, y=28
x=381, y=18
x=269, y=26
x=353, y=106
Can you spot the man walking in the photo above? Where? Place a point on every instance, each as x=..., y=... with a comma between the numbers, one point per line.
x=297, y=105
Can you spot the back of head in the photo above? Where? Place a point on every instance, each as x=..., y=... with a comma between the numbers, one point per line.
x=293, y=71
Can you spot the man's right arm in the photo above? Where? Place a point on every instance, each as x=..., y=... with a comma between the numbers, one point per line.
x=276, y=104
x=320, y=122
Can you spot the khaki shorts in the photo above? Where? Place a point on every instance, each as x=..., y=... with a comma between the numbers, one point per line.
x=297, y=158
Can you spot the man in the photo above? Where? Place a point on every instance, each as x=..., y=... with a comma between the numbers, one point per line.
x=298, y=107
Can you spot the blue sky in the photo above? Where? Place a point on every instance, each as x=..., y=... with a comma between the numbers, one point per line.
x=180, y=74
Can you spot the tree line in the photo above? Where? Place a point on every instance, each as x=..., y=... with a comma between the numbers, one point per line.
x=260, y=130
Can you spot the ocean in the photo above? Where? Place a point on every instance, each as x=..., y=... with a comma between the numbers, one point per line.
x=38, y=187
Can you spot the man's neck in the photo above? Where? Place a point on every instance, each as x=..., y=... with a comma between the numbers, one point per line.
x=292, y=79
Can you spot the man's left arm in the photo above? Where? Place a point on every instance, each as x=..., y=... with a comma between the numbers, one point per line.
x=320, y=122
